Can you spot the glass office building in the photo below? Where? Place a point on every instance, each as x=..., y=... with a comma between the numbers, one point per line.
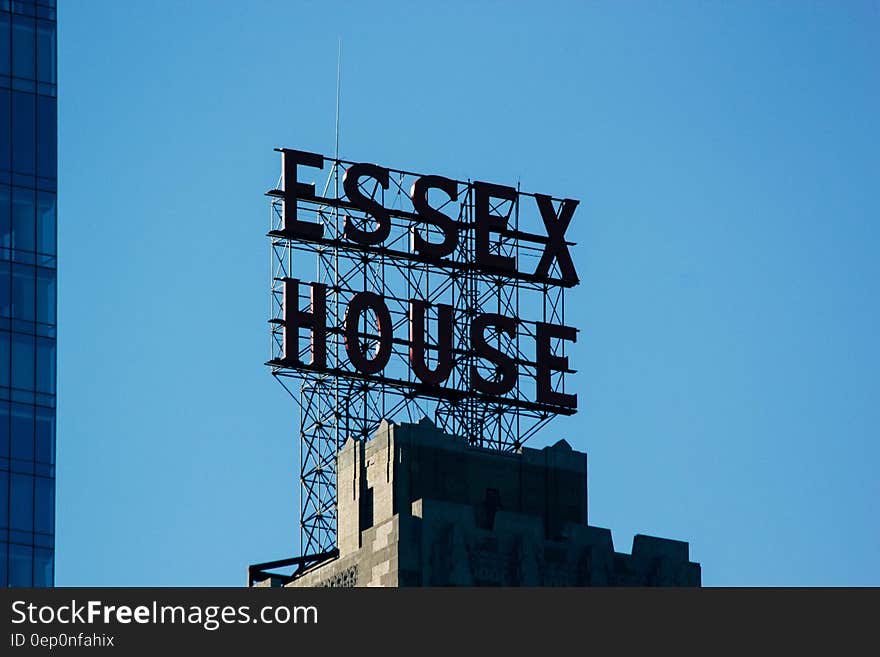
x=28, y=263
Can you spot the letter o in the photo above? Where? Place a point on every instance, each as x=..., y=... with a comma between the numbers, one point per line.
x=359, y=303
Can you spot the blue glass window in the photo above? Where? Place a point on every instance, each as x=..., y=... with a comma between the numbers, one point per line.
x=4, y=551
x=4, y=436
x=45, y=295
x=4, y=49
x=21, y=513
x=4, y=499
x=23, y=46
x=46, y=223
x=47, y=149
x=46, y=365
x=23, y=361
x=44, y=502
x=5, y=289
x=20, y=565
x=5, y=354
x=23, y=291
x=22, y=447
x=28, y=290
x=43, y=567
x=5, y=218
x=5, y=130
x=24, y=212
x=46, y=52
x=23, y=132
x=45, y=435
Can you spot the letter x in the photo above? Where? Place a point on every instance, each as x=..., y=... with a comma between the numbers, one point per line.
x=556, y=246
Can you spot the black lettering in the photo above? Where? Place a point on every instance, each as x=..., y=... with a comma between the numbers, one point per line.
x=359, y=303
x=505, y=365
x=547, y=362
x=556, y=247
x=372, y=207
x=419, y=196
x=294, y=319
x=293, y=190
x=491, y=223
x=417, y=340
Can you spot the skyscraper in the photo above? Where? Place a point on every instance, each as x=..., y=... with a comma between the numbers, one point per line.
x=28, y=264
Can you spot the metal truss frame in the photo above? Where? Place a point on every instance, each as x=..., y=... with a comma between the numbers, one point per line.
x=336, y=402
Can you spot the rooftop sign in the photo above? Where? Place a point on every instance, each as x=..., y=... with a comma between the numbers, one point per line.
x=397, y=294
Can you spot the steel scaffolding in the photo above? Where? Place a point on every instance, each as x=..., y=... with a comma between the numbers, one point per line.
x=337, y=402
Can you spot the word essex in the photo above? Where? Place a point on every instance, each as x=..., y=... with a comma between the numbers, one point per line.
x=487, y=197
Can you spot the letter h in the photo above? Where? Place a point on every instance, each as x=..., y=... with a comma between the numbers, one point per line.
x=295, y=319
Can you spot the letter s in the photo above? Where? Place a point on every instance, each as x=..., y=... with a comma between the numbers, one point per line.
x=383, y=220
x=17, y=610
x=419, y=197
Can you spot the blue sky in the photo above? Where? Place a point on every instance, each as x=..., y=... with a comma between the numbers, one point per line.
x=727, y=159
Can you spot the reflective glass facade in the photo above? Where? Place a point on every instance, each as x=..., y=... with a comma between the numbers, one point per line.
x=28, y=264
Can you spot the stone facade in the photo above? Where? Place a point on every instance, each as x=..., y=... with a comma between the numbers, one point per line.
x=420, y=508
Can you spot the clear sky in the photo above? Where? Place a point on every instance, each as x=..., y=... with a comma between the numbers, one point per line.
x=727, y=159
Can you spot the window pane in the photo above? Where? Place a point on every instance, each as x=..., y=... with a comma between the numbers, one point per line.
x=4, y=499
x=45, y=295
x=22, y=447
x=44, y=500
x=5, y=353
x=45, y=439
x=4, y=433
x=5, y=289
x=20, y=564
x=46, y=365
x=23, y=291
x=46, y=223
x=5, y=217
x=22, y=361
x=23, y=132
x=21, y=502
x=4, y=50
x=43, y=567
x=47, y=130
x=24, y=226
x=5, y=130
x=45, y=52
x=4, y=551
x=23, y=46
